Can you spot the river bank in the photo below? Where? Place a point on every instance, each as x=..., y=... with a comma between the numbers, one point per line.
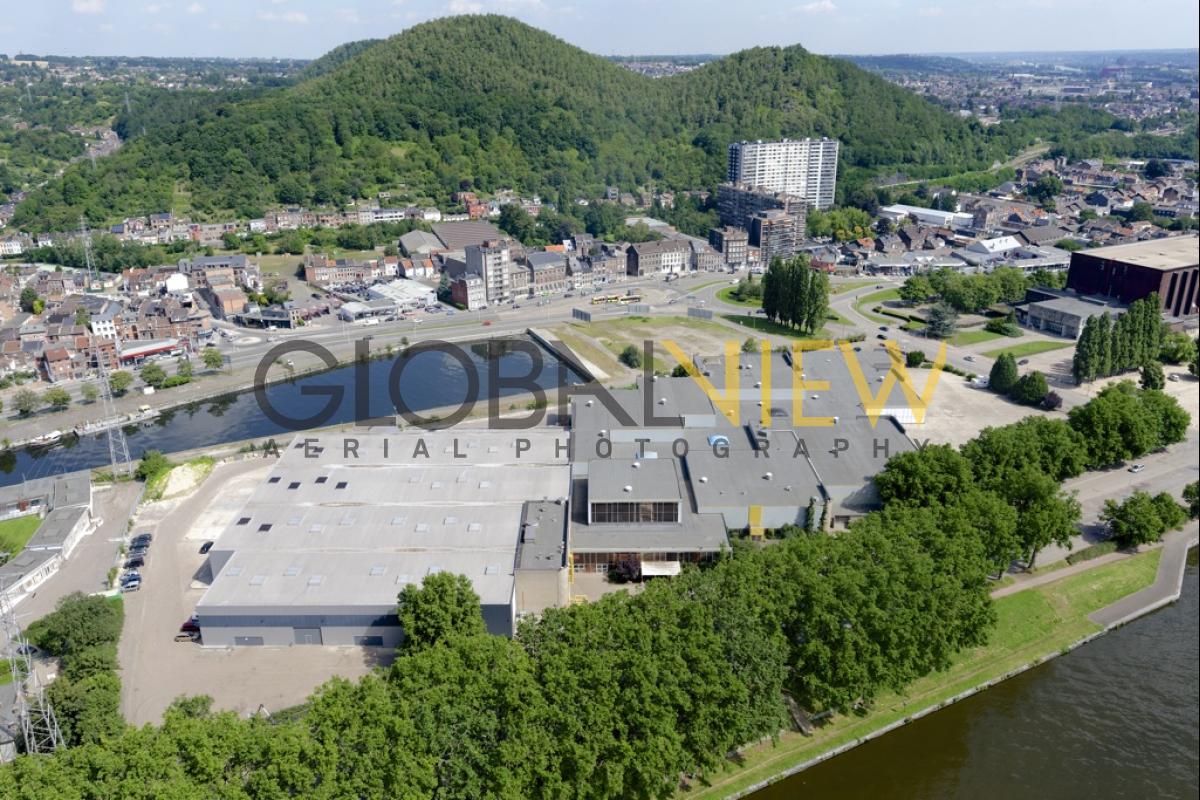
x=1035, y=626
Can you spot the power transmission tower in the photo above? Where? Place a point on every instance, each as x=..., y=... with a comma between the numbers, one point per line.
x=87, y=249
x=39, y=726
x=118, y=447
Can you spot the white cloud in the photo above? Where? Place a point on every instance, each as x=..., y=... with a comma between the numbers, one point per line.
x=819, y=7
x=195, y=8
x=348, y=15
x=290, y=17
x=88, y=6
x=929, y=11
x=464, y=7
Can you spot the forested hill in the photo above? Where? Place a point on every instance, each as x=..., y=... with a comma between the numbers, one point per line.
x=489, y=102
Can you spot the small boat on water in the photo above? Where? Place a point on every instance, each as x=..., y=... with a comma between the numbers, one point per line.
x=45, y=439
x=145, y=414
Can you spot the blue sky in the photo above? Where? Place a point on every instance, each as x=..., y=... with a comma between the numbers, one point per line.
x=307, y=28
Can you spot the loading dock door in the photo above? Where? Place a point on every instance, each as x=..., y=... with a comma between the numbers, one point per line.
x=307, y=635
x=248, y=641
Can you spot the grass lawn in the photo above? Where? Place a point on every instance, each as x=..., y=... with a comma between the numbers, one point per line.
x=5, y=672
x=1028, y=349
x=726, y=296
x=14, y=533
x=963, y=338
x=863, y=304
x=585, y=349
x=764, y=325
x=848, y=286
x=1030, y=625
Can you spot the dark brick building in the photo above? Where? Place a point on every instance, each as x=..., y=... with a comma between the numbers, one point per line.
x=1129, y=272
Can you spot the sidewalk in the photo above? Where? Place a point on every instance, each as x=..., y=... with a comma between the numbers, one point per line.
x=1166, y=587
x=1175, y=547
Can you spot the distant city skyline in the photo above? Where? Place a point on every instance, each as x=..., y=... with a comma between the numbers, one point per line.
x=308, y=28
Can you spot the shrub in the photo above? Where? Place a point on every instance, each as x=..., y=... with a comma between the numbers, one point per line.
x=631, y=357
x=914, y=358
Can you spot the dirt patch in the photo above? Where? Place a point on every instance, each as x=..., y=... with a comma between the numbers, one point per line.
x=185, y=478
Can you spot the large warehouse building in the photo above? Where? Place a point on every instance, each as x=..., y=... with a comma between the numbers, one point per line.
x=1129, y=272
x=343, y=522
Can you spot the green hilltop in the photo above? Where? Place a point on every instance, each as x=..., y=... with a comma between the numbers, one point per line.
x=489, y=102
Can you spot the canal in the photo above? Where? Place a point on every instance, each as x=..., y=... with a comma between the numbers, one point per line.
x=433, y=379
x=1116, y=718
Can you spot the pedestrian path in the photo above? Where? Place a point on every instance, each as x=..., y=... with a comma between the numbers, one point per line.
x=1166, y=587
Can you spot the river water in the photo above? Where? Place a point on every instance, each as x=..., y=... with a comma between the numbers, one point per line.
x=430, y=379
x=1116, y=718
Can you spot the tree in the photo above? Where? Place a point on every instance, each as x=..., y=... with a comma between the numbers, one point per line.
x=933, y=475
x=1045, y=189
x=914, y=358
x=25, y=402
x=916, y=289
x=1052, y=401
x=1177, y=348
x=119, y=382
x=1191, y=496
x=1003, y=376
x=89, y=392
x=212, y=358
x=153, y=464
x=183, y=368
x=1133, y=521
x=1044, y=514
x=1152, y=376
x=57, y=398
x=445, y=606
x=1156, y=169
x=748, y=346
x=82, y=316
x=631, y=357
x=29, y=297
x=153, y=375
x=943, y=320
x=1030, y=389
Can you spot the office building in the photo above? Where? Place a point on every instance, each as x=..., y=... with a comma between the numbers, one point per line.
x=737, y=203
x=492, y=261
x=732, y=243
x=804, y=167
x=776, y=234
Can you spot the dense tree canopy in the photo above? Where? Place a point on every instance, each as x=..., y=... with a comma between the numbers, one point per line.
x=489, y=101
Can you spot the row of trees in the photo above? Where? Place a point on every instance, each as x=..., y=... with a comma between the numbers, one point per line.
x=82, y=634
x=1029, y=389
x=796, y=295
x=1107, y=347
x=970, y=293
x=1142, y=518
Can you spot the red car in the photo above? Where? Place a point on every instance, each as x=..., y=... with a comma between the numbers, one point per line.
x=487, y=322
x=189, y=626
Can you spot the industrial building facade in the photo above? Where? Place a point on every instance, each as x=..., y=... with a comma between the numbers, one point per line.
x=1130, y=272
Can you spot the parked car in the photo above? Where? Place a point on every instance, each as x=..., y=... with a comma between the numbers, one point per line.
x=1023, y=361
x=131, y=575
x=190, y=625
x=204, y=548
x=1173, y=377
x=146, y=536
x=135, y=562
x=883, y=327
x=881, y=336
x=968, y=358
x=131, y=586
x=190, y=636
x=1136, y=468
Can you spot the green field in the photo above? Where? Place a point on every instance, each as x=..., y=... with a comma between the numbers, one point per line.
x=726, y=296
x=848, y=286
x=864, y=304
x=764, y=325
x=1028, y=349
x=14, y=533
x=1031, y=625
x=978, y=336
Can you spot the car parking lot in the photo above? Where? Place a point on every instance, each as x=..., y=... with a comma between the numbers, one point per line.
x=158, y=663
